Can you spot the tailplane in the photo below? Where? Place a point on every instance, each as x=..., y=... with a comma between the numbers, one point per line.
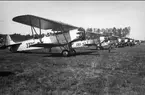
x=10, y=44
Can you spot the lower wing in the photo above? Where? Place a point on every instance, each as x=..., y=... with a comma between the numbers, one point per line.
x=6, y=46
x=50, y=45
x=46, y=45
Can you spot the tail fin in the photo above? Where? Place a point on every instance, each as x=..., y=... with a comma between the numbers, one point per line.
x=9, y=41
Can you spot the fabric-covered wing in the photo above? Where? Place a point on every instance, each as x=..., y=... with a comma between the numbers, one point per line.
x=42, y=23
x=46, y=45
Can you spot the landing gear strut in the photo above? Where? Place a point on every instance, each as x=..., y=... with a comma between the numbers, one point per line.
x=72, y=52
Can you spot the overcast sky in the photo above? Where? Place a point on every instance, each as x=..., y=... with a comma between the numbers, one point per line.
x=95, y=14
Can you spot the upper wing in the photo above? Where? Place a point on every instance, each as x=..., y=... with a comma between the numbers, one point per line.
x=42, y=23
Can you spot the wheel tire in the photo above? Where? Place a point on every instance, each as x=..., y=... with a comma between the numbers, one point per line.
x=97, y=48
x=65, y=53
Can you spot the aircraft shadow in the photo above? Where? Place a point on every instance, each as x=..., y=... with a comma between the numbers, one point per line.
x=94, y=52
x=111, y=51
x=29, y=52
x=77, y=54
x=6, y=73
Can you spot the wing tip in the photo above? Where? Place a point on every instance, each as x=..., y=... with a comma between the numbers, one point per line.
x=19, y=16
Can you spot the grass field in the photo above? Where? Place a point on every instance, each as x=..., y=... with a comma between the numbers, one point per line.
x=90, y=72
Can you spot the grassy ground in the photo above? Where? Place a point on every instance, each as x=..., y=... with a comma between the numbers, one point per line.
x=121, y=72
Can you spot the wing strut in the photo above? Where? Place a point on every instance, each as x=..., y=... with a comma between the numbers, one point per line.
x=64, y=34
x=68, y=44
x=40, y=31
x=32, y=31
x=57, y=40
x=40, y=26
x=32, y=28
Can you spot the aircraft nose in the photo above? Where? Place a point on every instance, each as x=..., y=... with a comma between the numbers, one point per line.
x=81, y=33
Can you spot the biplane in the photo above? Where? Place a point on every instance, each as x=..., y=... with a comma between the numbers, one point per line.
x=100, y=41
x=63, y=36
x=91, y=39
x=125, y=41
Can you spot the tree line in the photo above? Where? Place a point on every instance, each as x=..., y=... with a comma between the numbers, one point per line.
x=16, y=37
x=120, y=32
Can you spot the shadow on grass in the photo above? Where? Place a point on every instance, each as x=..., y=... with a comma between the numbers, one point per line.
x=77, y=54
x=93, y=52
x=32, y=52
x=6, y=73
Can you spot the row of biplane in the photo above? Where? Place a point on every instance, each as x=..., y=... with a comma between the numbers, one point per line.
x=65, y=37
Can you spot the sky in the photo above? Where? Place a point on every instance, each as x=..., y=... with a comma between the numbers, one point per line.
x=94, y=14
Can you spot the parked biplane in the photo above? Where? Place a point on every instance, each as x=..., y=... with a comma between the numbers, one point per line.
x=63, y=35
x=91, y=39
x=125, y=41
x=99, y=41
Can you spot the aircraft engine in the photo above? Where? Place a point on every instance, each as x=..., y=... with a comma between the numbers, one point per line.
x=81, y=33
x=77, y=34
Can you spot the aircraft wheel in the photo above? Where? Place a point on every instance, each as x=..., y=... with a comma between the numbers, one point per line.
x=97, y=48
x=73, y=52
x=65, y=53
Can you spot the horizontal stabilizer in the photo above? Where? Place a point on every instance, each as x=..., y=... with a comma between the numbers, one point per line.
x=6, y=46
x=14, y=44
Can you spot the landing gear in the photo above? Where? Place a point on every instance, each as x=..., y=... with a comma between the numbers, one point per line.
x=72, y=52
x=97, y=48
x=100, y=48
x=109, y=50
x=67, y=53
